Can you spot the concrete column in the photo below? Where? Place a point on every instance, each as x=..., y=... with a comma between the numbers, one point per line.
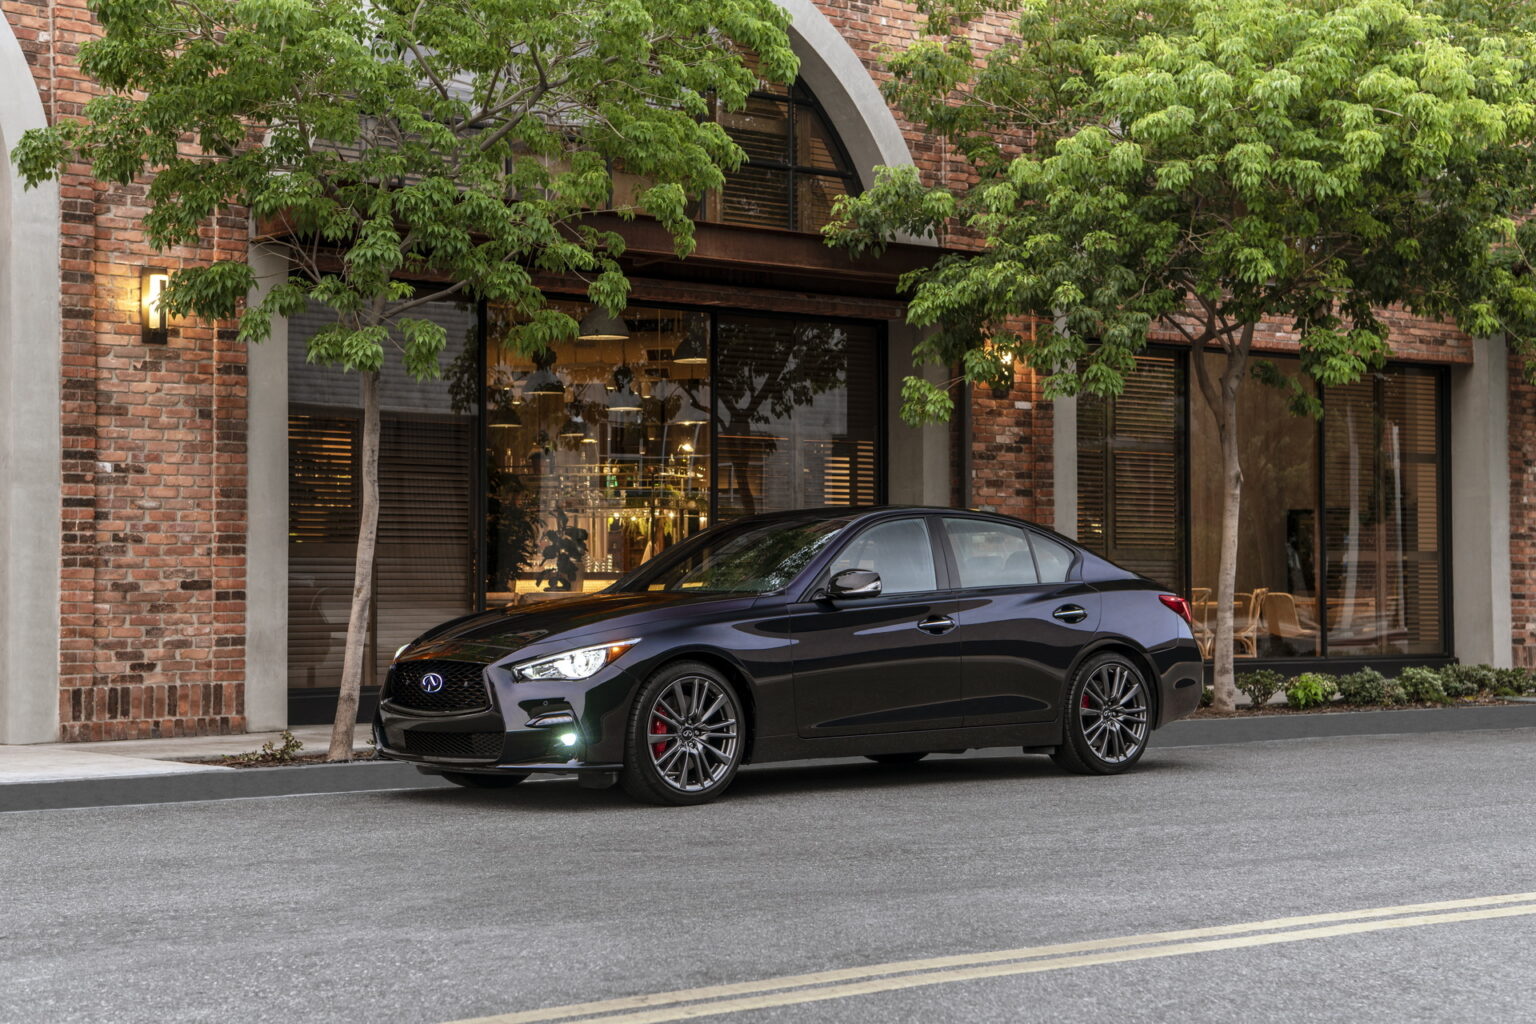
x=1064, y=454
x=917, y=457
x=266, y=616
x=1479, y=507
x=31, y=480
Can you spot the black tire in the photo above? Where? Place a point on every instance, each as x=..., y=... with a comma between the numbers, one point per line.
x=1108, y=717
x=474, y=780
x=897, y=759
x=686, y=736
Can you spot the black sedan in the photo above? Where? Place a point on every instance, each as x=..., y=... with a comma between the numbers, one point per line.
x=888, y=633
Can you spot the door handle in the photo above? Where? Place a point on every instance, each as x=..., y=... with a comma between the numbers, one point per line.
x=1069, y=613
x=937, y=625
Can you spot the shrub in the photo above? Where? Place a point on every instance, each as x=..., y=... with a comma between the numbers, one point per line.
x=1393, y=693
x=1207, y=696
x=1260, y=685
x=1364, y=687
x=1422, y=685
x=1513, y=682
x=1311, y=689
x=1466, y=680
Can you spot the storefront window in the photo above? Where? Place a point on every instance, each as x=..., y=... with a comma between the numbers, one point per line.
x=607, y=449
x=1339, y=532
x=1275, y=608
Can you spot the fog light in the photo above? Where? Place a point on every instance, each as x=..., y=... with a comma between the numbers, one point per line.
x=568, y=739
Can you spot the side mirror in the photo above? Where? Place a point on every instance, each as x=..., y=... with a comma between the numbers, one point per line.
x=854, y=583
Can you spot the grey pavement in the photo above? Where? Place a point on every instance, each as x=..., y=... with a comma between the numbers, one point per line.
x=438, y=905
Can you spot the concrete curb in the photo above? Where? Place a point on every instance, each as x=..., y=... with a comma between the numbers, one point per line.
x=357, y=776
x=1209, y=731
x=368, y=776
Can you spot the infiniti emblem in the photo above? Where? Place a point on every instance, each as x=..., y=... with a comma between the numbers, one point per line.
x=432, y=682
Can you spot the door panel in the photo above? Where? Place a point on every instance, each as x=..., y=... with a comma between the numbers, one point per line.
x=880, y=664
x=1017, y=653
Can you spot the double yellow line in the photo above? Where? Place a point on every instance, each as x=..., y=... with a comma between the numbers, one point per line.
x=685, y=1004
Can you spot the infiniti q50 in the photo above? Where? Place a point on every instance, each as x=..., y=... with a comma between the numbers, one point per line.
x=888, y=633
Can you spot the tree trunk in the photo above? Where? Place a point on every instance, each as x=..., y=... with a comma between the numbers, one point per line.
x=1221, y=398
x=359, y=621
x=1223, y=681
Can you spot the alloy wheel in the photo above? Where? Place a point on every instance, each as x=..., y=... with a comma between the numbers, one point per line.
x=1113, y=713
x=693, y=734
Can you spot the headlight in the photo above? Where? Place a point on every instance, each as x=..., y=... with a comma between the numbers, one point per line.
x=401, y=650
x=577, y=664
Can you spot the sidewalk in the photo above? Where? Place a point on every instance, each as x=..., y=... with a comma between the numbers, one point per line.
x=115, y=759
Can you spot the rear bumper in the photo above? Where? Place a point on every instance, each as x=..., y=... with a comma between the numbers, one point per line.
x=1180, y=680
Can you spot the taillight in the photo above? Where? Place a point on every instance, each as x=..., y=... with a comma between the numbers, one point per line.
x=1179, y=605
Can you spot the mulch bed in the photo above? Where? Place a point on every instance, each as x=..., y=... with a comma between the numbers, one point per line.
x=1281, y=709
x=296, y=761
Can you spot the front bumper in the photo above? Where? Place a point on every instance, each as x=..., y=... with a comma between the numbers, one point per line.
x=544, y=726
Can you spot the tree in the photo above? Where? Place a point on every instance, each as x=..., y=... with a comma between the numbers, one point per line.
x=463, y=143
x=1210, y=165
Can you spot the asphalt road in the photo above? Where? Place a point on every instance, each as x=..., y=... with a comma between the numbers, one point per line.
x=436, y=906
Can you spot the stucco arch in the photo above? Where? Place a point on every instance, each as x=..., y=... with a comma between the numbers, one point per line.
x=30, y=448
x=850, y=97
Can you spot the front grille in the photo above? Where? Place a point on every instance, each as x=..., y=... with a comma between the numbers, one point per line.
x=485, y=746
x=463, y=686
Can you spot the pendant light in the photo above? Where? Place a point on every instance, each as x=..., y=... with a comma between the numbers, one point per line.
x=694, y=349
x=600, y=325
x=690, y=415
x=541, y=381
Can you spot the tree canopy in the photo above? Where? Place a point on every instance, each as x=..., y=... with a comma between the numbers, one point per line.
x=1209, y=164
x=460, y=141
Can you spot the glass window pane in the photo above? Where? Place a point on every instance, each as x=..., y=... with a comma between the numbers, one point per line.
x=1130, y=498
x=899, y=551
x=990, y=554
x=1054, y=559
x=1382, y=524
x=814, y=195
x=815, y=144
x=597, y=451
x=797, y=414
x=761, y=129
x=757, y=197
x=1275, y=607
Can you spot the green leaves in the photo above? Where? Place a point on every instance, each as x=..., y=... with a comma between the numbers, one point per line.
x=468, y=142
x=1229, y=160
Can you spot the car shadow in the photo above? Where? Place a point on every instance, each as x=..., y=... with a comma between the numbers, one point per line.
x=774, y=780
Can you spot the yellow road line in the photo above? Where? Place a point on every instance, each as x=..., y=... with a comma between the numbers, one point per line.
x=758, y=1002
x=663, y=1006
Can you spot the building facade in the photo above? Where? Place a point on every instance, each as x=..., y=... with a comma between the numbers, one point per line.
x=176, y=516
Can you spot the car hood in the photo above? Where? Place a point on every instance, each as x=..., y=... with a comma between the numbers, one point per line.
x=489, y=635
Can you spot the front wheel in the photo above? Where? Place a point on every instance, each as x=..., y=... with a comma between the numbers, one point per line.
x=684, y=743
x=1108, y=715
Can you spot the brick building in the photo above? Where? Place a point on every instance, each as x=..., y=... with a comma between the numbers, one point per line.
x=174, y=517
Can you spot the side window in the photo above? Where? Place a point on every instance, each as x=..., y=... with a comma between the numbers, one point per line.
x=990, y=554
x=899, y=551
x=1054, y=559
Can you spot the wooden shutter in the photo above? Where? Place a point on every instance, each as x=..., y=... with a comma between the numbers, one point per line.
x=322, y=545
x=1130, y=491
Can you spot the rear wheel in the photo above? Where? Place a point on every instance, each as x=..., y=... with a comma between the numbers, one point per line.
x=897, y=759
x=1108, y=717
x=684, y=743
x=474, y=780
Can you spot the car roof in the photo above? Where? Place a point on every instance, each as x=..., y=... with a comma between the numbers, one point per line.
x=865, y=512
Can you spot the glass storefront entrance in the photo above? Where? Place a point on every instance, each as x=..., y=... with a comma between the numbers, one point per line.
x=1341, y=546
x=517, y=480
x=650, y=426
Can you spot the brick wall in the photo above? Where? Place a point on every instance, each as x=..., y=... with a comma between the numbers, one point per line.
x=153, y=516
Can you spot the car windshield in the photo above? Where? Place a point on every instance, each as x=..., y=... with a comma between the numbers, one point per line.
x=755, y=559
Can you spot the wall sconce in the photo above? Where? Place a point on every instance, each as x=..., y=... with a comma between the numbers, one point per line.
x=152, y=281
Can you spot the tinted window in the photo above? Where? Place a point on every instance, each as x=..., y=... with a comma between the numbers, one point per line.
x=1053, y=558
x=990, y=554
x=899, y=551
x=746, y=560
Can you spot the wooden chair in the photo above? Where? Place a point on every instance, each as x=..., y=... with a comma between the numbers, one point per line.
x=1281, y=620
x=1245, y=625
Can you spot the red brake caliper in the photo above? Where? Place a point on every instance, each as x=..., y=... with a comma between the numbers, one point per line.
x=1085, y=702
x=658, y=728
